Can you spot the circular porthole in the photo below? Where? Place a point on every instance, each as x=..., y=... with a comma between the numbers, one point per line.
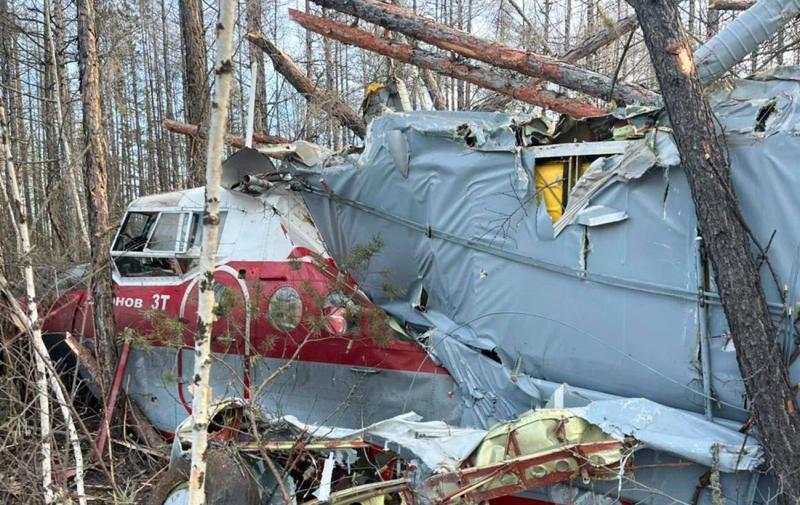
x=340, y=313
x=285, y=309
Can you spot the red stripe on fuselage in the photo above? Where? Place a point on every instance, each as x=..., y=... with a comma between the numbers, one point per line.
x=312, y=279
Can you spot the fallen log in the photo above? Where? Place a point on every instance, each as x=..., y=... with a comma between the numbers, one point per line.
x=730, y=5
x=535, y=65
x=313, y=93
x=232, y=140
x=601, y=39
x=480, y=76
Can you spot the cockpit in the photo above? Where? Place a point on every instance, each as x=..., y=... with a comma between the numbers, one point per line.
x=158, y=244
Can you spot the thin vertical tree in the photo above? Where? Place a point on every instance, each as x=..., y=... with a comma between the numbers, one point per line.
x=223, y=70
x=96, y=182
x=254, y=12
x=726, y=240
x=66, y=147
x=195, y=83
x=33, y=324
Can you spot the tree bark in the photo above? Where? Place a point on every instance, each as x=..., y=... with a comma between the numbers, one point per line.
x=313, y=93
x=72, y=185
x=32, y=323
x=601, y=39
x=480, y=76
x=223, y=67
x=195, y=82
x=231, y=140
x=254, y=12
x=730, y=5
x=450, y=39
x=432, y=85
x=96, y=181
x=727, y=242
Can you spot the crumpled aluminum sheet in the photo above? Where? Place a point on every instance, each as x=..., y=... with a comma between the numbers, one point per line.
x=610, y=309
x=437, y=445
x=674, y=431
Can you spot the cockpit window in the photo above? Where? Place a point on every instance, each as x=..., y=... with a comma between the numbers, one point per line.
x=159, y=244
x=166, y=235
x=135, y=230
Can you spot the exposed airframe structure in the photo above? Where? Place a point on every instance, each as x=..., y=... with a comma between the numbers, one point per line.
x=593, y=306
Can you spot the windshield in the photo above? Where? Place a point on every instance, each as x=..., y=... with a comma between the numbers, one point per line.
x=158, y=244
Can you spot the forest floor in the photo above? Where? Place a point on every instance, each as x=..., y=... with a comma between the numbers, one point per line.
x=129, y=474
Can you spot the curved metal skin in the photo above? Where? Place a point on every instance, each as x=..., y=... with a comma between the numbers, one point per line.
x=742, y=36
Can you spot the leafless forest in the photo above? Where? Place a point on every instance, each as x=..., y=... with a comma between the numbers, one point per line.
x=143, y=84
x=154, y=74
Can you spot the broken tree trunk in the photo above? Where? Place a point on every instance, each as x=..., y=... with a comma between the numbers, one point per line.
x=313, y=93
x=96, y=181
x=730, y=5
x=727, y=241
x=601, y=39
x=480, y=76
x=33, y=323
x=201, y=401
x=231, y=140
x=450, y=39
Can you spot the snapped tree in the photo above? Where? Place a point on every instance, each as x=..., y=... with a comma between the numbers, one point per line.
x=727, y=241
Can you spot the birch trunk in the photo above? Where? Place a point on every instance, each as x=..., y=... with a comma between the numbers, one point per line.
x=72, y=432
x=72, y=185
x=31, y=305
x=205, y=309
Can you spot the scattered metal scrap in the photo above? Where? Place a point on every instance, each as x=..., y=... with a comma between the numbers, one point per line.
x=405, y=460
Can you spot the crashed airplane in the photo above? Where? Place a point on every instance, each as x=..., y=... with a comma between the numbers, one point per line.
x=500, y=276
x=473, y=307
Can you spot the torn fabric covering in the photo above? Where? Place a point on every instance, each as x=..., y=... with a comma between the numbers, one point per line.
x=462, y=228
x=438, y=446
x=487, y=388
x=468, y=252
x=675, y=432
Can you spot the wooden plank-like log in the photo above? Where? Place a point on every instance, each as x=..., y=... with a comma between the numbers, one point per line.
x=313, y=93
x=730, y=5
x=232, y=140
x=523, y=90
x=450, y=39
x=601, y=39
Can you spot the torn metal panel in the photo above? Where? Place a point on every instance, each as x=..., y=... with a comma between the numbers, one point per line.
x=471, y=215
x=674, y=431
x=539, y=449
x=437, y=445
x=510, y=295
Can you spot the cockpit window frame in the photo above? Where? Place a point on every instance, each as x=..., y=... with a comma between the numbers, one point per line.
x=184, y=246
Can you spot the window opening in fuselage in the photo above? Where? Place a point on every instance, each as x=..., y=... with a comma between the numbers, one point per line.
x=159, y=244
x=555, y=178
